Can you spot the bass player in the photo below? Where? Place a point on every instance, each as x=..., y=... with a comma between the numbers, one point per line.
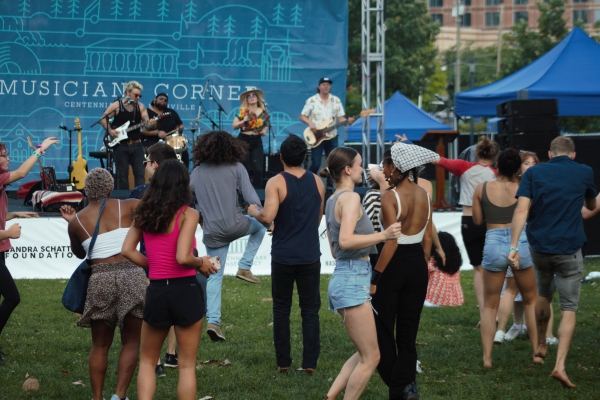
x=320, y=108
x=129, y=151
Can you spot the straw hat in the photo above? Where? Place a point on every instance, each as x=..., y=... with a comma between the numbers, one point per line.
x=259, y=93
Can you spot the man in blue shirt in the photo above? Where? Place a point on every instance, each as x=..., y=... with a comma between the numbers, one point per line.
x=549, y=200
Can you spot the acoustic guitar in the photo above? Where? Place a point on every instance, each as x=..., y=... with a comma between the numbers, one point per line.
x=313, y=139
x=79, y=171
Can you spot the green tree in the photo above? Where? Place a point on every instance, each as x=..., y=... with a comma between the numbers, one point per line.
x=409, y=45
x=525, y=45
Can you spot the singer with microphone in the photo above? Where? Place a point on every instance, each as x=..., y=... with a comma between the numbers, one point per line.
x=253, y=121
x=129, y=151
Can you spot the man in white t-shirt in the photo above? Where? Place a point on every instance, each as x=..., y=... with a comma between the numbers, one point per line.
x=320, y=108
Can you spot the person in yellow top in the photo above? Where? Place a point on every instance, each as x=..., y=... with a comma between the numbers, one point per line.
x=253, y=121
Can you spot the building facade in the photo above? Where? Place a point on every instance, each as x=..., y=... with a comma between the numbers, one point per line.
x=482, y=19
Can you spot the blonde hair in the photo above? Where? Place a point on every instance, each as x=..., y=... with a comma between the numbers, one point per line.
x=133, y=85
x=259, y=100
x=562, y=145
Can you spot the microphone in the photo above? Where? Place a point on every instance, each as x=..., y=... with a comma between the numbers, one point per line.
x=128, y=100
x=64, y=128
x=206, y=87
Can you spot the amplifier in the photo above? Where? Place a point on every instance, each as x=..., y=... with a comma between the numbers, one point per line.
x=535, y=124
x=522, y=108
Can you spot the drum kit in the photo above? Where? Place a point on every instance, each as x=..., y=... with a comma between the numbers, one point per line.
x=178, y=141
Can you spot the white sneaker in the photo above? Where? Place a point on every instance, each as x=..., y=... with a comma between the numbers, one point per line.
x=512, y=333
x=551, y=341
x=419, y=370
x=523, y=333
x=499, y=337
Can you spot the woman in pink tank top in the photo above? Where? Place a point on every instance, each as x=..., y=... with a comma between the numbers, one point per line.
x=174, y=296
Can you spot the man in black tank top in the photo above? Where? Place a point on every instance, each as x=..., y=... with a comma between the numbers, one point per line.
x=294, y=203
x=129, y=151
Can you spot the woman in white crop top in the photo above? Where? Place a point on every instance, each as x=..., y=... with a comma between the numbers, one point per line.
x=399, y=283
x=117, y=287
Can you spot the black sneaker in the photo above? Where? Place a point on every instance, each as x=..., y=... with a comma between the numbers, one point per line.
x=410, y=392
x=171, y=360
x=160, y=371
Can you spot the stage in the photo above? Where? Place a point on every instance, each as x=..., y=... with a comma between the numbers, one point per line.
x=43, y=250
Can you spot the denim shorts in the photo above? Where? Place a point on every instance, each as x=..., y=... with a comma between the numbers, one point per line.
x=350, y=284
x=495, y=251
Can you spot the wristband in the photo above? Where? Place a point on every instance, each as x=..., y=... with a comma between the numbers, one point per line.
x=39, y=146
x=38, y=155
x=513, y=249
x=375, y=277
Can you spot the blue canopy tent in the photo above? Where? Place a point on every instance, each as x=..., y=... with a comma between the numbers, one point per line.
x=568, y=72
x=402, y=116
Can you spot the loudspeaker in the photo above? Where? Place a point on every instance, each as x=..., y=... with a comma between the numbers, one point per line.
x=523, y=108
x=536, y=124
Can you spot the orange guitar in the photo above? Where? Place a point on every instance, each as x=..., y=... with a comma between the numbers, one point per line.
x=79, y=171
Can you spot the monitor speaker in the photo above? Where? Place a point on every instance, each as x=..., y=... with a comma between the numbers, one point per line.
x=535, y=124
x=523, y=108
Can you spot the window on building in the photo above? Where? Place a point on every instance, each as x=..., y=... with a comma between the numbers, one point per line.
x=580, y=15
x=467, y=3
x=579, y=1
x=492, y=2
x=438, y=18
x=520, y=16
x=436, y=3
x=466, y=19
x=596, y=15
x=492, y=19
x=520, y=2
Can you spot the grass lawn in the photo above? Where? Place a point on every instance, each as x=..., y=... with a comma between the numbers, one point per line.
x=42, y=340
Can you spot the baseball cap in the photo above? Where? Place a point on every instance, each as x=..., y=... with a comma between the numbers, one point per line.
x=325, y=79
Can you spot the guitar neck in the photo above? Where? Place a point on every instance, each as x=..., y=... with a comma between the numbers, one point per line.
x=329, y=129
x=79, y=143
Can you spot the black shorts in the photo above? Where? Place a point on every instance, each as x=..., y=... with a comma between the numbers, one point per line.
x=473, y=238
x=177, y=301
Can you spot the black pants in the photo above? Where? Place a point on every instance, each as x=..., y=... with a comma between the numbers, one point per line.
x=398, y=302
x=8, y=291
x=126, y=155
x=308, y=278
x=254, y=161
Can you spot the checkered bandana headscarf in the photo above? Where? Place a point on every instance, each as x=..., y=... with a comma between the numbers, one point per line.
x=408, y=156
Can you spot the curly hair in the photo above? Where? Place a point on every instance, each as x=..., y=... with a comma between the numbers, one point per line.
x=486, y=149
x=293, y=151
x=509, y=163
x=218, y=147
x=169, y=190
x=98, y=183
x=453, y=257
x=337, y=161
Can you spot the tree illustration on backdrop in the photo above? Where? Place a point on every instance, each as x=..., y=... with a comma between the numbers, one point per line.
x=229, y=26
x=255, y=27
x=56, y=7
x=73, y=7
x=296, y=15
x=213, y=25
x=278, y=15
x=116, y=7
x=163, y=10
x=135, y=8
x=190, y=11
x=24, y=7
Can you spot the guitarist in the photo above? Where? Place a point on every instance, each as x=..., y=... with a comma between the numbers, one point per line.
x=159, y=106
x=130, y=151
x=319, y=109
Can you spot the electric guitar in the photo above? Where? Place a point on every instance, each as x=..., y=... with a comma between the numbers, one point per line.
x=313, y=139
x=125, y=128
x=79, y=171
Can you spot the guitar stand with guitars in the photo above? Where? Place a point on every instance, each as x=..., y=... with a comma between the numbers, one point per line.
x=313, y=139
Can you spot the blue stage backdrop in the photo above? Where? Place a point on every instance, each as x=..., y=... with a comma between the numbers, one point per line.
x=66, y=59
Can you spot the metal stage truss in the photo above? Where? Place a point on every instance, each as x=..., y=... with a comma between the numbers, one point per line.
x=373, y=34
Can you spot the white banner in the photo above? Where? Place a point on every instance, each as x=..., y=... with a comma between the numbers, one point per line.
x=43, y=251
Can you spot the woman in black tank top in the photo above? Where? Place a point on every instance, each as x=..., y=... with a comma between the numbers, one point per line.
x=493, y=203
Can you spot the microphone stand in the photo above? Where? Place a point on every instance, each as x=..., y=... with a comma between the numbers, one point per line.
x=214, y=124
x=221, y=110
